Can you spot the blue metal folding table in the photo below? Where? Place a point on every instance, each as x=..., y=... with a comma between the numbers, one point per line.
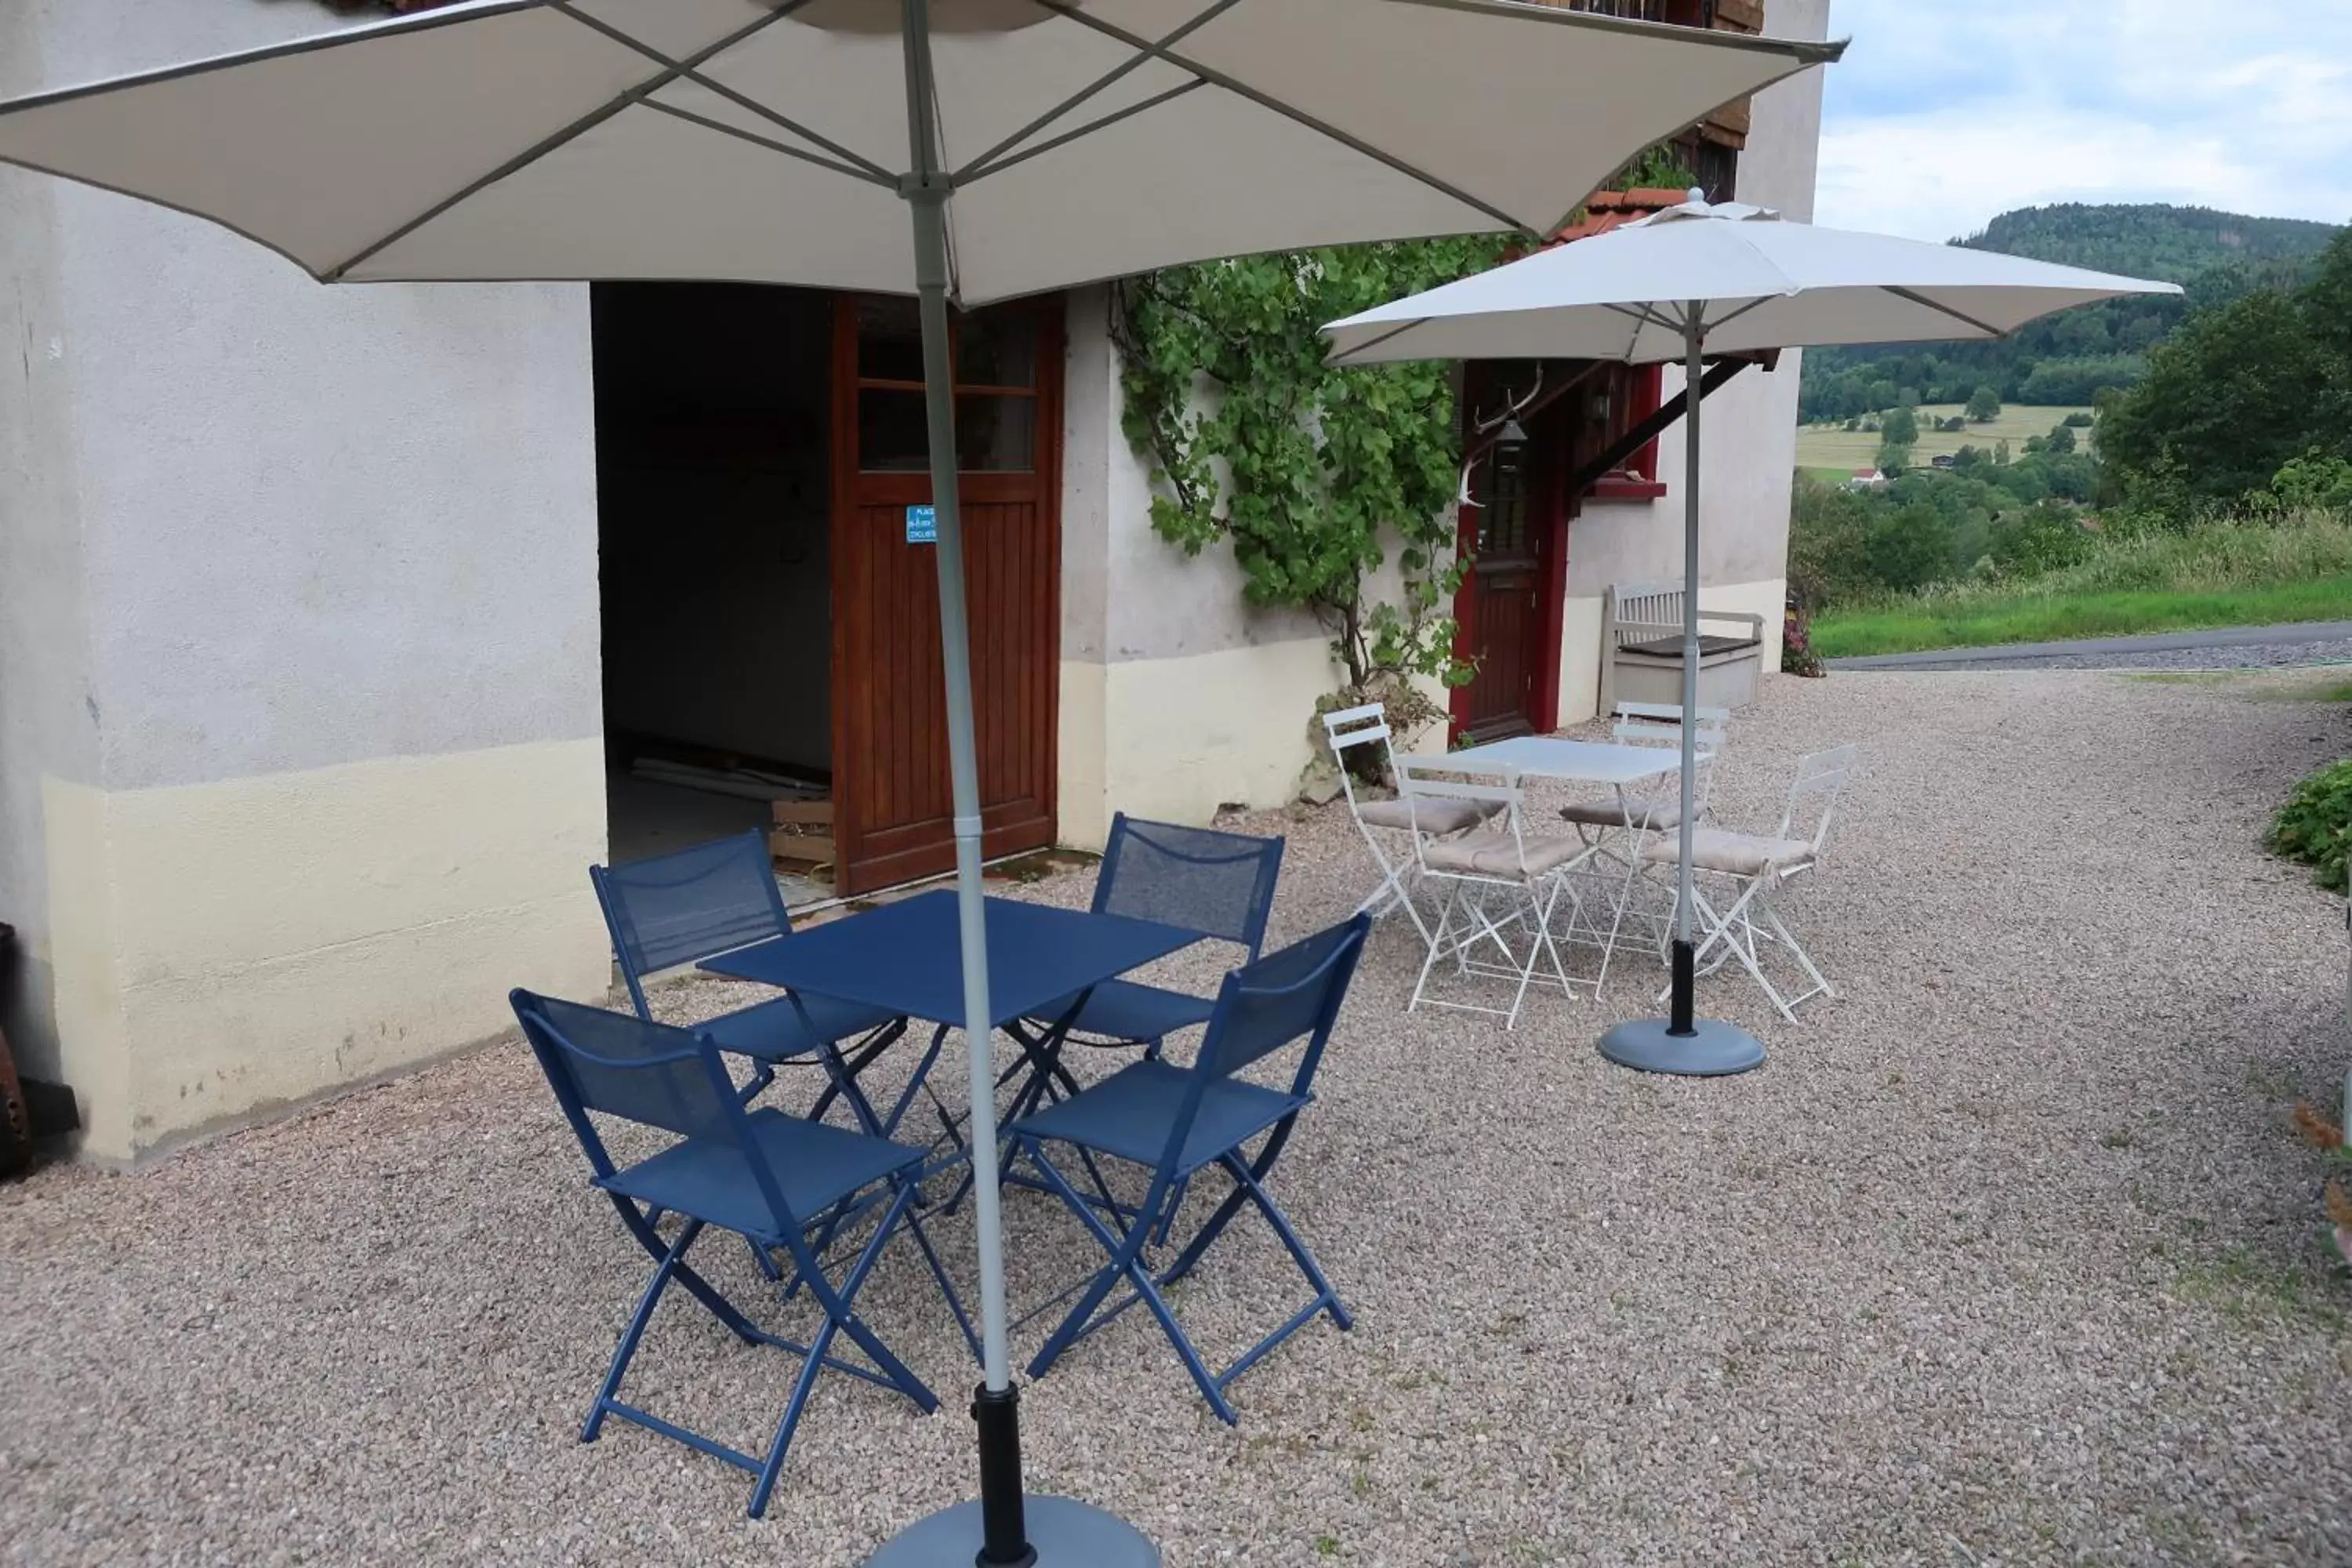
x=908, y=957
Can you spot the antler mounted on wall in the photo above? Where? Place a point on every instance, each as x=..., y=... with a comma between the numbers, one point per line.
x=1481, y=426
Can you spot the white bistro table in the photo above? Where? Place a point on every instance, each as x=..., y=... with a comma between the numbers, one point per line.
x=1582, y=761
x=1587, y=762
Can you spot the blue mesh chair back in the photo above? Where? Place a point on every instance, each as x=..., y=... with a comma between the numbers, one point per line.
x=1280, y=998
x=689, y=904
x=1199, y=878
x=617, y=1065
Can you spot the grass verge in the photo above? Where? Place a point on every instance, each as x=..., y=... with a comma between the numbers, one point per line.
x=2217, y=574
x=2041, y=618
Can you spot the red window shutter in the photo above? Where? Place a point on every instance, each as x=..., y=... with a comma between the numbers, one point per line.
x=1641, y=399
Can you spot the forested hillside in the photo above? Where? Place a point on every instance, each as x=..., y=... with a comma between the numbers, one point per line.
x=2217, y=257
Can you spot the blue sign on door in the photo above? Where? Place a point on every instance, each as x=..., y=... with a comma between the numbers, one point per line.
x=922, y=525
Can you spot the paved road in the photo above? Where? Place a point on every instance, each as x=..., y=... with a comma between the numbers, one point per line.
x=2223, y=648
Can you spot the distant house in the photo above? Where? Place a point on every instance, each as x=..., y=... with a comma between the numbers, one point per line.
x=1866, y=479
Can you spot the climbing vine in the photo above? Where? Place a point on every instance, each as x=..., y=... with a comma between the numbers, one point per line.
x=1311, y=474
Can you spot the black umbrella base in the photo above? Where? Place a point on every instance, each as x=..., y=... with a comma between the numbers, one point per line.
x=1709, y=1051
x=1065, y=1534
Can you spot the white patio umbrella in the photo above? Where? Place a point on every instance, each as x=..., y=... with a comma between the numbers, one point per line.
x=1727, y=277
x=1031, y=143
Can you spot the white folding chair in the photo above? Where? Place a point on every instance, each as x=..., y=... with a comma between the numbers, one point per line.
x=1498, y=881
x=1756, y=864
x=1368, y=726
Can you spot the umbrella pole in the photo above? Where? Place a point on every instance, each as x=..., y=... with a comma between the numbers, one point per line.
x=1680, y=1042
x=1065, y=1532
x=996, y=1404
x=1685, y=979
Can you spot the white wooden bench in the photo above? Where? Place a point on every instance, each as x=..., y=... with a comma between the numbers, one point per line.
x=1641, y=650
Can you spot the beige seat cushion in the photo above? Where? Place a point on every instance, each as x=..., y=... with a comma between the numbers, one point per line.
x=1609, y=814
x=1734, y=854
x=1438, y=815
x=1493, y=854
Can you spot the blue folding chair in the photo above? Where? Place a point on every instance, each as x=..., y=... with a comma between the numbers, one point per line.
x=758, y=1173
x=1218, y=884
x=714, y=898
x=1178, y=1121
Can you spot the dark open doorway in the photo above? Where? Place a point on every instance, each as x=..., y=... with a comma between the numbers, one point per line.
x=714, y=443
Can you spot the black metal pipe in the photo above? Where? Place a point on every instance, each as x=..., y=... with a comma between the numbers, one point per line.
x=1678, y=1020
x=1004, y=1532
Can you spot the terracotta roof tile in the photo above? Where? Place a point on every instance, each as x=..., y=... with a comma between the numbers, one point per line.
x=1606, y=210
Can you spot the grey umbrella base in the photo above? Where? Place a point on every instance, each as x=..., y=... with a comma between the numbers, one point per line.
x=1065, y=1534
x=1709, y=1051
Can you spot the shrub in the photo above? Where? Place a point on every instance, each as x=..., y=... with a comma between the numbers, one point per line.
x=2314, y=825
x=1797, y=654
x=2315, y=480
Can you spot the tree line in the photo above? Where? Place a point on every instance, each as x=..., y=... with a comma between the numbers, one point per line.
x=2071, y=357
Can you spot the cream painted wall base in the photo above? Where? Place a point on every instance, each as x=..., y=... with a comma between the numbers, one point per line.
x=1176, y=737
x=1579, y=639
x=224, y=948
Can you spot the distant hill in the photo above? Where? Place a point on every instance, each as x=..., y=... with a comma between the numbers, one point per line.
x=2068, y=358
x=2175, y=244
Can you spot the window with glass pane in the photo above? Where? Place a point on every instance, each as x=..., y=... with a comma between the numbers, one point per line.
x=995, y=434
x=1502, y=520
x=996, y=411
x=891, y=438
x=997, y=348
x=890, y=340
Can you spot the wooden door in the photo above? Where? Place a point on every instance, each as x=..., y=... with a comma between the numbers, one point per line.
x=1500, y=608
x=892, y=813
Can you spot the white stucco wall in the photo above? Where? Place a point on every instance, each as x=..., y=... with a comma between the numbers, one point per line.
x=1747, y=431
x=1177, y=696
x=300, y=735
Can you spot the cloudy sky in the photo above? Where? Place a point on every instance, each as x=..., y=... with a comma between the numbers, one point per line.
x=1947, y=111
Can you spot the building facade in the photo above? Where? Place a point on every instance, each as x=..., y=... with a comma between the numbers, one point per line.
x=336, y=627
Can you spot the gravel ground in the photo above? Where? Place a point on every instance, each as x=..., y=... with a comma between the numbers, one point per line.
x=2239, y=656
x=2007, y=1255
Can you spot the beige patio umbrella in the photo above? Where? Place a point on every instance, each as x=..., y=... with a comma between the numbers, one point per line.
x=962, y=151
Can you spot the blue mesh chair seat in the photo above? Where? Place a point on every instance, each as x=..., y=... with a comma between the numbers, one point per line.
x=815, y=1167
x=1127, y=1012
x=760, y=1174
x=790, y=1027
x=1130, y=1114
x=1177, y=1122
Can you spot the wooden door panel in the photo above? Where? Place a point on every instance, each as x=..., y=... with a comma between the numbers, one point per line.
x=1498, y=696
x=893, y=802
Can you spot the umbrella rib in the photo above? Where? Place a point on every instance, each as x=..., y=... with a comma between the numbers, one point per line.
x=401, y=26
x=688, y=71
x=547, y=145
x=773, y=145
x=1752, y=304
x=972, y=173
x=1918, y=299
x=1345, y=356
x=987, y=162
x=1216, y=77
